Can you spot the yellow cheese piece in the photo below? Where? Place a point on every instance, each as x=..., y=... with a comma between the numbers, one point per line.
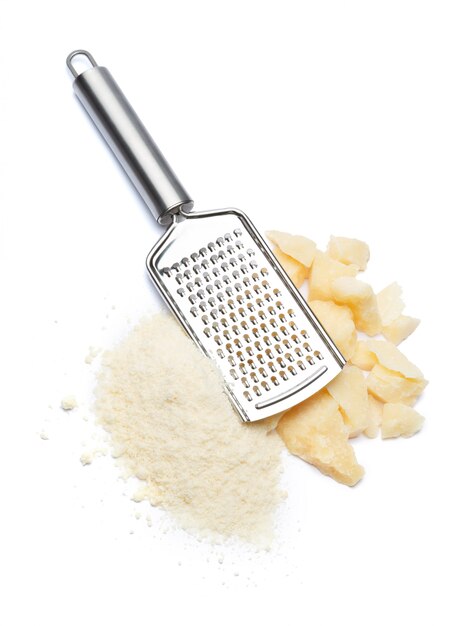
x=392, y=358
x=338, y=322
x=400, y=329
x=362, y=357
x=374, y=417
x=390, y=303
x=296, y=271
x=324, y=271
x=361, y=300
x=349, y=251
x=389, y=386
x=314, y=431
x=349, y=390
x=299, y=248
x=400, y=420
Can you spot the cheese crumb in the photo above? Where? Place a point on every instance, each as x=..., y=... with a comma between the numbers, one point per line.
x=68, y=403
x=86, y=458
x=92, y=354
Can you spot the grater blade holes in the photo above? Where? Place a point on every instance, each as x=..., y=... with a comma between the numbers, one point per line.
x=242, y=311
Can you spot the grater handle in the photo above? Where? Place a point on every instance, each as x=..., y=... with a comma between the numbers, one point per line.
x=129, y=140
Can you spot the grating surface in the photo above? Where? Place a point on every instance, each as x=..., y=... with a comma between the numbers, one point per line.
x=242, y=314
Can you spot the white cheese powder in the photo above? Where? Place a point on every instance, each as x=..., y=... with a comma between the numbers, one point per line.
x=173, y=427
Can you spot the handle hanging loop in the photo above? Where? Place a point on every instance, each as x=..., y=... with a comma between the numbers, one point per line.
x=78, y=53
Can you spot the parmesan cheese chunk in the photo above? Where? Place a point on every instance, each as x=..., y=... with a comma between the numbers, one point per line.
x=400, y=329
x=338, y=321
x=393, y=359
x=324, y=271
x=295, y=270
x=361, y=300
x=299, y=248
x=400, y=420
x=349, y=390
x=389, y=386
x=314, y=431
x=390, y=303
x=362, y=357
x=374, y=415
x=349, y=251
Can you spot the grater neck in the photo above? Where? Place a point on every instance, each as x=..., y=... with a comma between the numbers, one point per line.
x=129, y=140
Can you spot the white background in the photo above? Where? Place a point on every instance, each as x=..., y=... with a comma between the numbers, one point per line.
x=315, y=117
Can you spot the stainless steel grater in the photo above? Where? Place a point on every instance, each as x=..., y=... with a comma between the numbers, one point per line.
x=216, y=273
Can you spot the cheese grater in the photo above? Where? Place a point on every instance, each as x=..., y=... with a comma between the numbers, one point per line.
x=215, y=272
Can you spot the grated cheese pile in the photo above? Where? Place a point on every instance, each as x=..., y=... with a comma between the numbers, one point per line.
x=173, y=428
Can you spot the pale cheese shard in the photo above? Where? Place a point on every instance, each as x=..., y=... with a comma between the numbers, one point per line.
x=295, y=270
x=362, y=357
x=393, y=359
x=314, y=430
x=400, y=420
x=390, y=303
x=359, y=296
x=299, y=248
x=324, y=271
x=349, y=390
x=400, y=328
x=389, y=386
x=349, y=251
x=338, y=322
x=374, y=415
